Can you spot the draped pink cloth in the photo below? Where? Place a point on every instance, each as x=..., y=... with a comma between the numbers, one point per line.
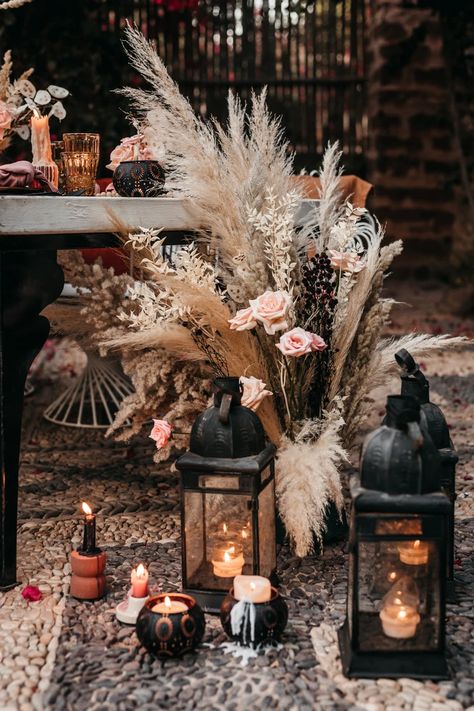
x=21, y=174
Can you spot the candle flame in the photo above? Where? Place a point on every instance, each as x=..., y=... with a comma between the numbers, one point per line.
x=392, y=575
x=416, y=544
x=244, y=533
x=397, y=601
x=167, y=601
x=224, y=527
x=228, y=554
x=86, y=508
x=402, y=614
x=252, y=586
x=35, y=111
x=141, y=570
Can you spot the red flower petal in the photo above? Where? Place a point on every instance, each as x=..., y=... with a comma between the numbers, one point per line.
x=31, y=593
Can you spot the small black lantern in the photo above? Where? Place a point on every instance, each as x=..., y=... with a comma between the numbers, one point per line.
x=395, y=624
x=227, y=499
x=415, y=384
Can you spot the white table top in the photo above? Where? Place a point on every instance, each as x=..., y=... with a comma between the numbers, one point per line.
x=45, y=214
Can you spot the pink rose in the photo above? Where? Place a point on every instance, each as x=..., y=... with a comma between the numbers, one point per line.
x=299, y=342
x=271, y=310
x=31, y=593
x=346, y=261
x=129, y=148
x=318, y=343
x=243, y=320
x=161, y=433
x=5, y=117
x=254, y=392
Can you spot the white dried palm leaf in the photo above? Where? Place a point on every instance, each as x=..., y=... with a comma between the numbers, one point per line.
x=307, y=480
x=350, y=310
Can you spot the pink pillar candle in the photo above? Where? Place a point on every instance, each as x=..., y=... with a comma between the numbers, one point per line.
x=140, y=581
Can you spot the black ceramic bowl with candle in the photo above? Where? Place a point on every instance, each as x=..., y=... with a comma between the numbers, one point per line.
x=170, y=624
x=139, y=178
x=270, y=620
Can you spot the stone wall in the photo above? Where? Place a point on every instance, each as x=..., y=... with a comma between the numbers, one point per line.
x=412, y=157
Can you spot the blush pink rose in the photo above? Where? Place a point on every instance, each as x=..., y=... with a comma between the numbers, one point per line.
x=161, y=433
x=254, y=392
x=5, y=117
x=129, y=148
x=346, y=261
x=243, y=320
x=317, y=343
x=271, y=309
x=298, y=342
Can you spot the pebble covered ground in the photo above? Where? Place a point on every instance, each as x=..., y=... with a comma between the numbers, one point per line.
x=60, y=654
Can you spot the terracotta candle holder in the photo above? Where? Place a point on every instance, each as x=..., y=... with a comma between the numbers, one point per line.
x=88, y=579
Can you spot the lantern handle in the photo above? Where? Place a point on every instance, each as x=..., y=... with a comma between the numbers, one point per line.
x=224, y=408
x=406, y=361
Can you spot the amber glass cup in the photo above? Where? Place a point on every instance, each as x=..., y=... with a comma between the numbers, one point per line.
x=81, y=142
x=80, y=169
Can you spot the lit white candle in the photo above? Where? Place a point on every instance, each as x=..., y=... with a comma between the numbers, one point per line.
x=169, y=607
x=252, y=588
x=415, y=553
x=231, y=564
x=399, y=621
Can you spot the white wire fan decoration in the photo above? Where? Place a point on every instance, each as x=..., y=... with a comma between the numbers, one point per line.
x=94, y=399
x=29, y=387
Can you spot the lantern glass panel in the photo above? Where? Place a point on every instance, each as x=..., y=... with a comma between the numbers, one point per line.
x=219, y=538
x=398, y=594
x=266, y=525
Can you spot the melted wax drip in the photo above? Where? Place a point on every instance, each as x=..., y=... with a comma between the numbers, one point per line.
x=242, y=616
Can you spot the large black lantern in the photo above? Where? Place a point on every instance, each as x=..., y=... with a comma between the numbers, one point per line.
x=395, y=624
x=227, y=499
x=415, y=384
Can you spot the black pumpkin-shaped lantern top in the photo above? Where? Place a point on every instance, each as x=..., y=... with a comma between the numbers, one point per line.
x=398, y=457
x=415, y=384
x=227, y=429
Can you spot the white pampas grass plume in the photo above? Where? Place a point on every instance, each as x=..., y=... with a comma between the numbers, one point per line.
x=307, y=480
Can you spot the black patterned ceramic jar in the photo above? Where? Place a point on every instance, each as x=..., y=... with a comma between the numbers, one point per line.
x=262, y=625
x=139, y=178
x=169, y=625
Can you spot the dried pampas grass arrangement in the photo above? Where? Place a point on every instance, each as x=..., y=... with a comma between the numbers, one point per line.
x=296, y=310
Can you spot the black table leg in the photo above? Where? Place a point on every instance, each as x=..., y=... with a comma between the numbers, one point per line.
x=29, y=281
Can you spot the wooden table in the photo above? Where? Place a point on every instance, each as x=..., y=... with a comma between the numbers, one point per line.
x=32, y=229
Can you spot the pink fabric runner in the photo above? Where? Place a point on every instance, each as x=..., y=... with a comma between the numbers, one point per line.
x=21, y=174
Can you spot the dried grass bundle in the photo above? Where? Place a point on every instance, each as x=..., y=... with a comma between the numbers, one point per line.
x=299, y=309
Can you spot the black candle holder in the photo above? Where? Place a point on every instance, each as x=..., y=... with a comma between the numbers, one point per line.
x=139, y=178
x=167, y=635
x=270, y=620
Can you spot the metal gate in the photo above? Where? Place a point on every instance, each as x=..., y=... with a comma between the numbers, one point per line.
x=310, y=54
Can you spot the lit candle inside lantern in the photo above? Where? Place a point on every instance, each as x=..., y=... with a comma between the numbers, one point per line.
x=231, y=564
x=41, y=147
x=88, y=542
x=169, y=607
x=399, y=621
x=415, y=553
x=252, y=588
x=140, y=581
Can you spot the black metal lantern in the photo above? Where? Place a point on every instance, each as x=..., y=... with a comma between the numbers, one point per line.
x=395, y=624
x=432, y=419
x=227, y=499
